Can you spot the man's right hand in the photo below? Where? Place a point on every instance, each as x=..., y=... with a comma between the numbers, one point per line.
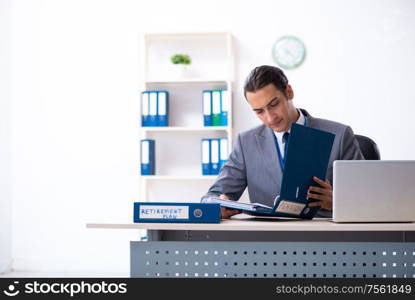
x=226, y=213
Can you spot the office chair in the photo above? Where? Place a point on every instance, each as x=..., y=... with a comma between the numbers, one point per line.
x=368, y=147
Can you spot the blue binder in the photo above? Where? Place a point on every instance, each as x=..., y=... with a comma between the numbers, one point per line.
x=224, y=107
x=308, y=154
x=152, y=108
x=223, y=151
x=163, y=108
x=148, y=163
x=176, y=212
x=206, y=164
x=214, y=156
x=207, y=107
x=144, y=108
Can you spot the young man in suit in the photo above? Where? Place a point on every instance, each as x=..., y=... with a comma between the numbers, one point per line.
x=255, y=162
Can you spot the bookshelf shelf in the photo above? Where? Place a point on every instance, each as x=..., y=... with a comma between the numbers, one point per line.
x=171, y=177
x=186, y=81
x=185, y=128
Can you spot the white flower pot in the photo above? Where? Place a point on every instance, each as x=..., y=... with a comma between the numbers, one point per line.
x=180, y=70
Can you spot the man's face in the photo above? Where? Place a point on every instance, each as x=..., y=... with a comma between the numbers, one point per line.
x=273, y=108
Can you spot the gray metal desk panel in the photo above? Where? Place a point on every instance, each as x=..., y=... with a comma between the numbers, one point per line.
x=373, y=250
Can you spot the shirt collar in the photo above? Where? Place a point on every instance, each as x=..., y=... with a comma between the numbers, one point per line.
x=300, y=121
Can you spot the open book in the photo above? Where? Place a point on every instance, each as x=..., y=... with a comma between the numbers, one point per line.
x=308, y=155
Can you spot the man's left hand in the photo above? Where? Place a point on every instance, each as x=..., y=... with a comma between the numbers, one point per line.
x=323, y=194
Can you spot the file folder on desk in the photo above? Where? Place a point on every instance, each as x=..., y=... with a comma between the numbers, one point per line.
x=176, y=212
x=307, y=155
x=248, y=208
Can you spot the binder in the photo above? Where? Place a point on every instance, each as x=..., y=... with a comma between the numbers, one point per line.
x=206, y=165
x=216, y=108
x=223, y=151
x=207, y=107
x=163, y=108
x=214, y=156
x=248, y=208
x=224, y=107
x=148, y=164
x=176, y=212
x=144, y=108
x=308, y=155
x=152, y=120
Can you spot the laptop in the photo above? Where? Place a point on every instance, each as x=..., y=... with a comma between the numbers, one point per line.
x=374, y=191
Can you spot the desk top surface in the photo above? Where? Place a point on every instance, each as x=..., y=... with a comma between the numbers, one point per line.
x=248, y=223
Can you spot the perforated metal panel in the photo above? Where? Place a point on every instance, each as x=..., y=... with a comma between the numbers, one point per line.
x=272, y=259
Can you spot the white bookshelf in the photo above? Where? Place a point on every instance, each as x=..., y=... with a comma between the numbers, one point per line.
x=178, y=147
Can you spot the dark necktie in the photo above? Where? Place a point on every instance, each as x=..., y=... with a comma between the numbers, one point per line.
x=285, y=138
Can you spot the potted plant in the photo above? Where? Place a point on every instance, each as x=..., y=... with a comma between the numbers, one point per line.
x=181, y=61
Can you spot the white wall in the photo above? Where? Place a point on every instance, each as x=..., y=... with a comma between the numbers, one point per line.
x=5, y=138
x=75, y=102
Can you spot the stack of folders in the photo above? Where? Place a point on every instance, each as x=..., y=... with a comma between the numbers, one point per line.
x=154, y=108
x=148, y=160
x=214, y=155
x=215, y=107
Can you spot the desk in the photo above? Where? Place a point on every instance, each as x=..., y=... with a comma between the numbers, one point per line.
x=248, y=247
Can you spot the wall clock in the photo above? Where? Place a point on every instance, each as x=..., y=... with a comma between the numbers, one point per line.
x=288, y=52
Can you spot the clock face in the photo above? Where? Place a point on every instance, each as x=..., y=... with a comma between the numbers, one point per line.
x=288, y=52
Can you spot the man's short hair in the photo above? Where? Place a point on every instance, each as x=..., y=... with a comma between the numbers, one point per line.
x=262, y=76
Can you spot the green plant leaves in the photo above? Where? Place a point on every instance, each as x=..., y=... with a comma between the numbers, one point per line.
x=181, y=59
